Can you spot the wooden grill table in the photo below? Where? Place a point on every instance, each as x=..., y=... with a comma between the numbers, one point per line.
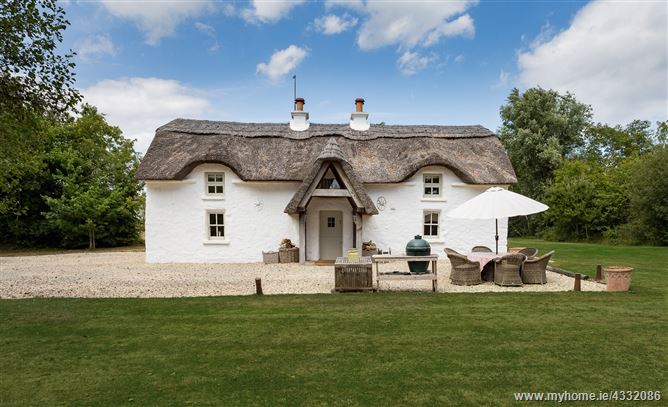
x=386, y=258
x=353, y=276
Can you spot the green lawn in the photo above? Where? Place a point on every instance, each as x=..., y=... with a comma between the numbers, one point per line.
x=345, y=349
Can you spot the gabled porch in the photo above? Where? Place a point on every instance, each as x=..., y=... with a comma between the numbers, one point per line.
x=331, y=203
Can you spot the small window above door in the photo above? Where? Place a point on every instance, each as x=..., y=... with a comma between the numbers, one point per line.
x=329, y=181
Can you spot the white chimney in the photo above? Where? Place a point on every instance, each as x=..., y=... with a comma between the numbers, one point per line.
x=299, y=121
x=359, y=120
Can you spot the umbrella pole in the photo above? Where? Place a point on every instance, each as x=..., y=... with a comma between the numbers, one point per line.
x=496, y=221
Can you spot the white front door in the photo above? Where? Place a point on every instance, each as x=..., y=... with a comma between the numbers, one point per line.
x=331, y=235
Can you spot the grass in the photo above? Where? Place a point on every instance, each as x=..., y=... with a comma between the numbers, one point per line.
x=344, y=349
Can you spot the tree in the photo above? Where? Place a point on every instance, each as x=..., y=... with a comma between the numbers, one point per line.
x=649, y=197
x=611, y=145
x=539, y=129
x=33, y=77
x=95, y=166
x=587, y=199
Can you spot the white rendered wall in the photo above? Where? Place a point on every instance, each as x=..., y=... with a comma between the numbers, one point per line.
x=402, y=217
x=176, y=219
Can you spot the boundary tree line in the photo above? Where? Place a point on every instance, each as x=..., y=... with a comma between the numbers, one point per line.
x=68, y=177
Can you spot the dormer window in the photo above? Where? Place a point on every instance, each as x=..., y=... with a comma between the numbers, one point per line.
x=432, y=185
x=215, y=183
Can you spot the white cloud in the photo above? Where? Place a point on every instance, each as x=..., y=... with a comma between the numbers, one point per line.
x=210, y=32
x=459, y=59
x=411, y=63
x=282, y=62
x=94, y=47
x=409, y=24
x=504, y=77
x=158, y=19
x=140, y=105
x=351, y=4
x=333, y=24
x=613, y=56
x=267, y=11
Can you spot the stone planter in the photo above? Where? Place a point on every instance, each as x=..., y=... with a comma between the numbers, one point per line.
x=618, y=278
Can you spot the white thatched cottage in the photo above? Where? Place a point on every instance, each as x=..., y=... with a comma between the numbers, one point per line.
x=224, y=191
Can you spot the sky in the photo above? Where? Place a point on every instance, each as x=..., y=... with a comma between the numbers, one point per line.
x=145, y=63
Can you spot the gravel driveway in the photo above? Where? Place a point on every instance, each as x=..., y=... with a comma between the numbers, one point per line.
x=125, y=274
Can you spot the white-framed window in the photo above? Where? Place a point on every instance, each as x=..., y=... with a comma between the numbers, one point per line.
x=215, y=183
x=432, y=185
x=215, y=224
x=431, y=223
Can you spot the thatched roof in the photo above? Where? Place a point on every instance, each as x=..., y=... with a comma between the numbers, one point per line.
x=273, y=152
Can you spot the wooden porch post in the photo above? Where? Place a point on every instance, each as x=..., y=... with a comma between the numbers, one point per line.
x=358, y=233
x=302, y=237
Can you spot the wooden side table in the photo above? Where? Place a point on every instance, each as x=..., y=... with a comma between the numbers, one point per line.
x=385, y=258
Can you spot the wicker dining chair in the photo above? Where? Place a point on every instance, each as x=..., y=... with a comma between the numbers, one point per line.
x=533, y=270
x=529, y=252
x=451, y=251
x=481, y=249
x=507, y=269
x=463, y=270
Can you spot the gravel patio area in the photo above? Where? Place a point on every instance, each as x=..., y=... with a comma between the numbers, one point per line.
x=125, y=274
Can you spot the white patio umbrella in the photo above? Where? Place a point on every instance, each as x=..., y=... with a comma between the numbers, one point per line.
x=497, y=203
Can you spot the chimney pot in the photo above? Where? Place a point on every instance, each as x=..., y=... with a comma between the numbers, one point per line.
x=299, y=104
x=359, y=103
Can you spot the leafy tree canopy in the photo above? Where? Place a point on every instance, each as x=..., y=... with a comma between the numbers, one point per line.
x=33, y=76
x=539, y=129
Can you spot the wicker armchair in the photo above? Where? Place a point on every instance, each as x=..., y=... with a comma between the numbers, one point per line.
x=481, y=249
x=507, y=270
x=533, y=270
x=529, y=252
x=463, y=270
x=451, y=251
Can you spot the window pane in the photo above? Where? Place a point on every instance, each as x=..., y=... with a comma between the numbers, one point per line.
x=435, y=191
x=212, y=231
x=436, y=179
x=219, y=177
x=427, y=191
x=221, y=231
x=427, y=218
x=434, y=230
x=219, y=189
x=427, y=180
x=220, y=219
x=434, y=217
x=426, y=230
x=212, y=189
x=211, y=177
x=212, y=219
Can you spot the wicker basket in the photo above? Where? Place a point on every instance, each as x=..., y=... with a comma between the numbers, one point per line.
x=289, y=255
x=270, y=257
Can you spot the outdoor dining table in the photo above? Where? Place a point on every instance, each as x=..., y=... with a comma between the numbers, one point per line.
x=483, y=257
x=486, y=269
